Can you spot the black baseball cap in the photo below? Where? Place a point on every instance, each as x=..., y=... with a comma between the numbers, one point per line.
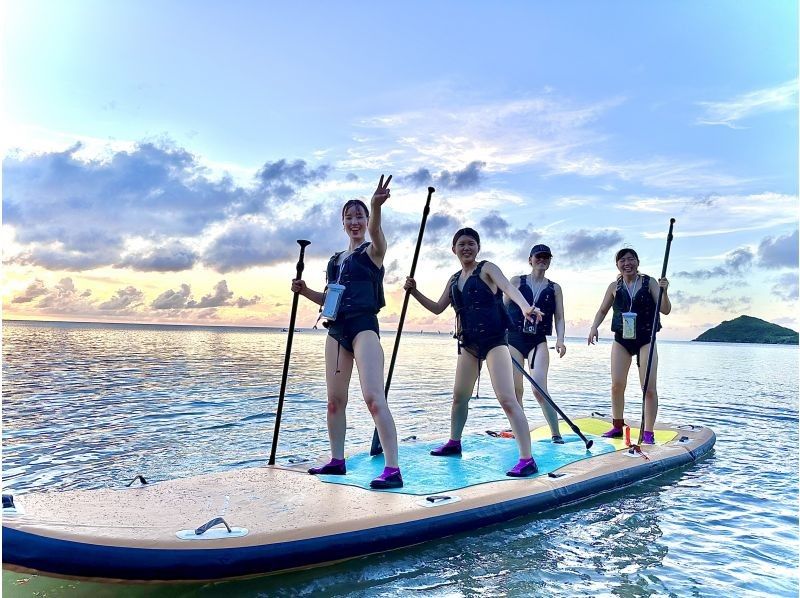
x=537, y=249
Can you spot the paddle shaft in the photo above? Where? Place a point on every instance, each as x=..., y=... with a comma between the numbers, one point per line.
x=655, y=329
x=376, y=448
x=546, y=396
x=293, y=317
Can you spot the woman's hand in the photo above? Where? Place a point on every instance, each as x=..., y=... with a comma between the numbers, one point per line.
x=299, y=286
x=534, y=314
x=663, y=283
x=561, y=348
x=593, y=336
x=381, y=193
x=410, y=285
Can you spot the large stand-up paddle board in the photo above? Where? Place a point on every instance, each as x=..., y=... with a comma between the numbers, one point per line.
x=260, y=520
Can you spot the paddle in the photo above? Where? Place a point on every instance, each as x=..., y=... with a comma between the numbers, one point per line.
x=300, y=266
x=655, y=327
x=376, y=448
x=542, y=392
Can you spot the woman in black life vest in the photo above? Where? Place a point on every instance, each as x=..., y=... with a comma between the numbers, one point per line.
x=353, y=334
x=531, y=345
x=633, y=297
x=475, y=292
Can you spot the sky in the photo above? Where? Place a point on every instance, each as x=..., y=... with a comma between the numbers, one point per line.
x=160, y=159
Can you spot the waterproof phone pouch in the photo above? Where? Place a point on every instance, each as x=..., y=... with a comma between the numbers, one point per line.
x=529, y=327
x=333, y=299
x=629, y=325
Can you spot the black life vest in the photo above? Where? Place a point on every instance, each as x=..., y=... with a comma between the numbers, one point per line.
x=479, y=312
x=643, y=305
x=362, y=279
x=546, y=302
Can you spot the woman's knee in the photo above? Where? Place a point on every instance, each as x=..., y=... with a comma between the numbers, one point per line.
x=509, y=404
x=651, y=395
x=618, y=387
x=375, y=402
x=336, y=403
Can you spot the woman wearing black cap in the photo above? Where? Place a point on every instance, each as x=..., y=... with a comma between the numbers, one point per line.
x=476, y=292
x=528, y=341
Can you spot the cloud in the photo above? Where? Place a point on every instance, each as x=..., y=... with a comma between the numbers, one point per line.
x=736, y=263
x=181, y=299
x=771, y=99
x=125, y=299
x=786, y=287
x=685, y=301
x=494, y=225
x=170, y=299
x=65, y=298
x=74, y=212
x=33, y=291
x=547, y=132
x=174, y=256
x=780, y=252
x=584, y=245
x=470, y=176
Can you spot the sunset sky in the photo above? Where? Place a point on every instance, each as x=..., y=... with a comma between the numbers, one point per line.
x=161, y=158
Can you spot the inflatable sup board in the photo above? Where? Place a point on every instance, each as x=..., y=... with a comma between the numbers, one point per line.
x=270, y=519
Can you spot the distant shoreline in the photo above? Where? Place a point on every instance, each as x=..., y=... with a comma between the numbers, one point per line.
x=320, y=330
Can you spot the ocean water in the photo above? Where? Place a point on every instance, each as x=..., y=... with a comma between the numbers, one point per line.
x=92, y=405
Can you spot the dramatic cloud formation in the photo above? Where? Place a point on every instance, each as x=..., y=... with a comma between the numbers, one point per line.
x=77, y=214
x=737, y=262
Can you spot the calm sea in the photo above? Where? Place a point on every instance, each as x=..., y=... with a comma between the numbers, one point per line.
x=92, y=405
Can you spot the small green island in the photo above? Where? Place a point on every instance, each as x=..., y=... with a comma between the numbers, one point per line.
x=746, y=329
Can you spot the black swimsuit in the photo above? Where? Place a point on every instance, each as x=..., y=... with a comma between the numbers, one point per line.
x=522, y=341
x=481, y=319
x=362, y=299
x=645, y=308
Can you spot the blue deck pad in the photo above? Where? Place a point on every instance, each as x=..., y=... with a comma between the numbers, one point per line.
x=484, y=459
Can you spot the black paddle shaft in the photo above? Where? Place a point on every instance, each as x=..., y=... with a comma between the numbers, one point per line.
x=300, y=267
x=655, y=329
x=547, y=398
x=376, y=448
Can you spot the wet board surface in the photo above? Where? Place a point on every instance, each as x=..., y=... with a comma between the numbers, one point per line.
x=288, y=519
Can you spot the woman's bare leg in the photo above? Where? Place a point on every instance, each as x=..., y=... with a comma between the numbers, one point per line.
x=540, y=366
x=651, y=395
x=338, y=384
x=466, y=375
x=498, y=362
x=368, y=355
x=620, y=365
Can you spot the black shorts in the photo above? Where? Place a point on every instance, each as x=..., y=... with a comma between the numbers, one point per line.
x=632, y=345
x=480, y=347
x=525, y=343
x=344, y=330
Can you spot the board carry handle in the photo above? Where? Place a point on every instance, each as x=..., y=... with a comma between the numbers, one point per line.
x=437, y=498
x=213, y=523
x=139, y=477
